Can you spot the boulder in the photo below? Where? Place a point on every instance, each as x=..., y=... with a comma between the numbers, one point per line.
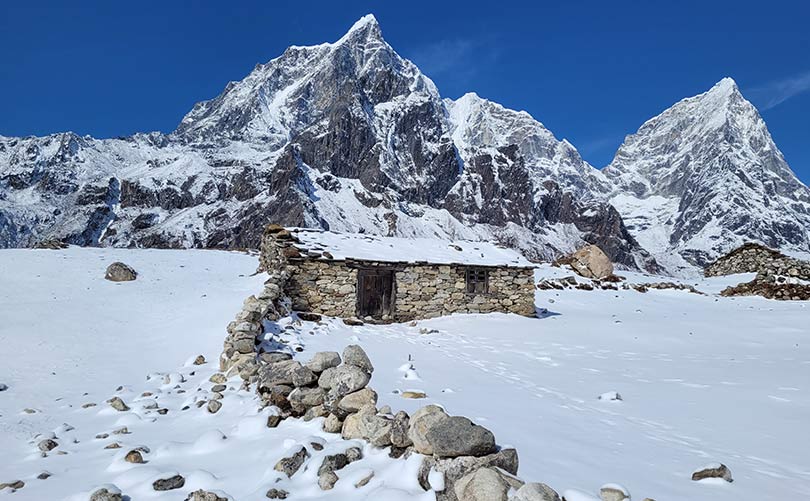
x=214, y=406
x=484, y=484
x=315, y=412
x=303, y=376
x=354, y=355
x=302, y=398
x=168, y=484
x=353, y=402
x=279, y=373
x=419, y=424
x=455, y=436
x=613, y=492
x=344, y=379
x=717, y=470
x=134, y=456
x=534, y=491
x=323, y=360
x=290, y=465
x=120, y=272
x=273, y=357
x=456, y=468
x=590, y=262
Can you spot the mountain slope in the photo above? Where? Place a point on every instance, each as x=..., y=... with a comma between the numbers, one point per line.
x=345, y=135
x=705, y=176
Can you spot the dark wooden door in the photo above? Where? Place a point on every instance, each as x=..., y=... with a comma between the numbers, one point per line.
x=374, y=293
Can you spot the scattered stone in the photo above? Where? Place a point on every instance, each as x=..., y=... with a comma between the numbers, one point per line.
x=354, y=454
x=364, y=481
x=354, y=355
x=218, y=378
x=28, y=410
x=201, y=495
x=134, y=456
x=291, y=464
x=273, y=420
x=13, y=485
x=613, y=492
x=121, y=431
x=110, y=493
x=118, y=404
x=534, y=491
x=413, y=394
x=47, y=445
x=3, y=387
x=611, y=396
x=717, y=470
x=353, y=321
x=163, y=412
x=113, y=445
x=277, y=494
x=327, y=480
x=333, y=462
x=88, y=405
x=419, y=424
x=167, y=484
x=218, y=388
x=199, y=361
x=44, y=475
x=120, y=272
x=484, y=484
x=316, y=446
x=214, y=406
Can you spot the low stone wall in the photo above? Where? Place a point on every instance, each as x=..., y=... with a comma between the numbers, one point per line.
x=755, y=258
x=326, y=287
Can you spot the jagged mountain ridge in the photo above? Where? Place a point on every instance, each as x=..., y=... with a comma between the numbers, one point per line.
x=350, y=136
x=704, y=177
x=345, y=135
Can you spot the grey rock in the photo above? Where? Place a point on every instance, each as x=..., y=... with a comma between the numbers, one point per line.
x=214, y=406
x=458, y=436
x=323, y=360
x=218, y=388
x=134, y=456
x=327, y=480
x=118, y=404
x=354, y=454
x=218, y=378
x=610, y=493
x=271, y=358
x=369, y=426
x=273, y=420
x=277, y=494
x=399, y=430
x=364, y=481
x=168, y=484
x=355, y=401
x=3, y=387
x=345, y=379
x=47, y=445
x=104, y=494
x=279, y=373
x=315, y=412
x=14, y=485
x=302, y=398
x=535, y=491
x=333, y=462
x=419, y=425
x=455, y=468
x=356, y=356
x=332, y=424
x=720, y=471
x=290, y=465
x=120, y=272
x=201, y=495
x=303, y=376
x=484, y=484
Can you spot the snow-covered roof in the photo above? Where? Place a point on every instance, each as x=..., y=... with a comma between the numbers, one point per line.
x=358, y=246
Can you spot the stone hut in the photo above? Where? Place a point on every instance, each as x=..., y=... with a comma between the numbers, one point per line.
x=391, y=279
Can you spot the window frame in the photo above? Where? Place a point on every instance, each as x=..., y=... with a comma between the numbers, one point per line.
x=473, y=277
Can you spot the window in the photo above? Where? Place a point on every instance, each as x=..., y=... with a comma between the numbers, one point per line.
x=477, y=281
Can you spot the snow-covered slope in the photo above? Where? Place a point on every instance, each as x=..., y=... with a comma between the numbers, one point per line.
x=705, y=176
x=345, y=135
x=699, y=384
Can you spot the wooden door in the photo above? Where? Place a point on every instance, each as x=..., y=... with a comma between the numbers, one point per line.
x=374, y=293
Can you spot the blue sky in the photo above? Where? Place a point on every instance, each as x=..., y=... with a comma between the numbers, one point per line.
x=592, y=72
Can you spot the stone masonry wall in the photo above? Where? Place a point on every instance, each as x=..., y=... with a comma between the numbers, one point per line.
x=326, y=287
x=755, y=258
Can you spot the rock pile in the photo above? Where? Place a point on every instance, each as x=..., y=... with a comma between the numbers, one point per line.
x=778, y=276
x=335, y=387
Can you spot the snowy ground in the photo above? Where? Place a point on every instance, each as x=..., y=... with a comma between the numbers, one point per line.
x=703, y=379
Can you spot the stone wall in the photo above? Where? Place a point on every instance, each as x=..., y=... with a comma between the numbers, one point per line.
x=755, y=258
x=326, y=287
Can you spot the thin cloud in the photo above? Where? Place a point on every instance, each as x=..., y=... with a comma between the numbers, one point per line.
x=777, y=92
x=461, y=57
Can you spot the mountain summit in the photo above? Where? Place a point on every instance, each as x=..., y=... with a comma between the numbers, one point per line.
x=705, y=176
x=350, y=136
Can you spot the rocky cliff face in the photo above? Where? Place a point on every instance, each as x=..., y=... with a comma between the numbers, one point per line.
x=345, y=135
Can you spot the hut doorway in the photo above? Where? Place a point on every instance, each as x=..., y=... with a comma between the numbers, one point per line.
x=375, y=288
